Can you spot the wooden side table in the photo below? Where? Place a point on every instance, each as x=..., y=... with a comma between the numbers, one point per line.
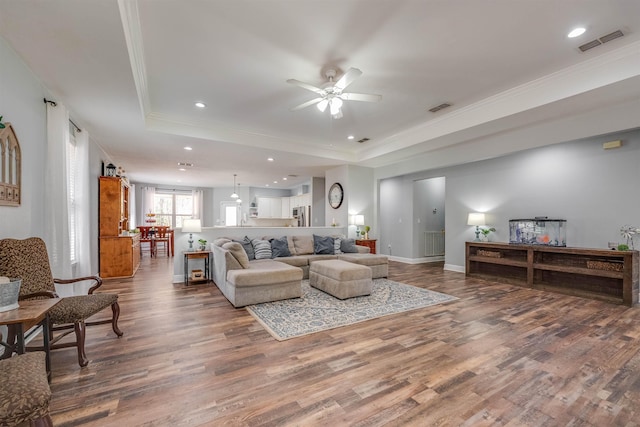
x=370, y=243
x=29, y=314
x=206, y=255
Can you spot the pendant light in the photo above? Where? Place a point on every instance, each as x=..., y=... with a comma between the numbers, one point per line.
x=238, y=200
x=234, y=195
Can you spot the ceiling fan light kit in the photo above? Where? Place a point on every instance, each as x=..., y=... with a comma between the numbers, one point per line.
x=331, y=94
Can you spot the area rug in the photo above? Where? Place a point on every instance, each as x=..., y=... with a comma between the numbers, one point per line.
x=317, y=311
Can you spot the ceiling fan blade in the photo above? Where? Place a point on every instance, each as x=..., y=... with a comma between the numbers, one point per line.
x=360, y=97
x=348, y=78
x=306, y=104
x=306, y=86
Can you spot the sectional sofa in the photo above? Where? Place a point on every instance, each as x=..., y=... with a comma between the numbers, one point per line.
x=251, y=271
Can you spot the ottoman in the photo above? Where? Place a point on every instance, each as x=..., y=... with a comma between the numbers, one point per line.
x=340, y=278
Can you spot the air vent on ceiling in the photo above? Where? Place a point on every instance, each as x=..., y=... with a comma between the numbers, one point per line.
x=604, y=39
x=185, y=164
x=439, y=107
x=363, y=140
x=292, y=176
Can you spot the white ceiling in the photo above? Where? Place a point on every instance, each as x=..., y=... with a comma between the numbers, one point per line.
x=130, y=72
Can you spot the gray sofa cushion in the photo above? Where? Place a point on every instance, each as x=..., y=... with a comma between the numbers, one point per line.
x=238, y=253
x=262, y=248
x=348, y=246
x=323, y=245
x=280, y=247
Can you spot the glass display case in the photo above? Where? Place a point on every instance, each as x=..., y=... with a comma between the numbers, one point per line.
x=538, y=231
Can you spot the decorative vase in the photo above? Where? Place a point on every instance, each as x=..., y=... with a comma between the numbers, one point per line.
x=366, y=235
x=9, y=292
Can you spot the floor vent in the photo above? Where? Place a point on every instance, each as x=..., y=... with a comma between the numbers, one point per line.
x=439, y=107
x=363, y=140
x=604, y=39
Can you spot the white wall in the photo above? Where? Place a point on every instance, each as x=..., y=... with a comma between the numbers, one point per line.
x=21, y=104
x=594, y=189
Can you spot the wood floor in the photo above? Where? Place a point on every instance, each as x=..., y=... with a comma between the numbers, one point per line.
x=499, y=356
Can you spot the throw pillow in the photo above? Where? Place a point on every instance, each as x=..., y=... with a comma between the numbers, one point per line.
x=280, y=247
x=221, y=241
x=262, y=248
x=238, y=253
x=336, y=245
x=248, y=247
x=323, y=245
x=303, y=245
x=348, y=246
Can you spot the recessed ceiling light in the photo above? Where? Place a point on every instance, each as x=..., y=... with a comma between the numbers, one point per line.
x=266, y=185
x=182, y=169
x=284, y=178
x=188, y=148
x=200, y=104
x=576, y=32
x=275, y=182
x=270, y=159
x=350, y=137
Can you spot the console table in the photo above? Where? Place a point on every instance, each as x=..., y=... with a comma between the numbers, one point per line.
x=370, y=243
x=601, y=274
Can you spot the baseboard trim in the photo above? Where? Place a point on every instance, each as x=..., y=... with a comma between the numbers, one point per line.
x=453, y=267
x=423, y=260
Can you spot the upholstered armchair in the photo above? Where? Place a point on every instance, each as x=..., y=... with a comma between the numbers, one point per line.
x=28, y=260
x=25, y=395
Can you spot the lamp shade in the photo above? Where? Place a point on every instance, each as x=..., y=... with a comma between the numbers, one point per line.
x=476, y=218
x=191, y=226
x=359, y=219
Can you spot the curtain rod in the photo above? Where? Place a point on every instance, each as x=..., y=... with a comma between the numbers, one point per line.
x=55, y=104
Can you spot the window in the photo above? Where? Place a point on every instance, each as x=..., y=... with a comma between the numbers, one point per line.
x=172, y=207
x=72, y=206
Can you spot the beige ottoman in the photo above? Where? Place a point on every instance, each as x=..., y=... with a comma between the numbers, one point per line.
x=340, y=278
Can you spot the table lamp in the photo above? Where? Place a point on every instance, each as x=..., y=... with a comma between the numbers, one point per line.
x=191, y=226
x=477, y=219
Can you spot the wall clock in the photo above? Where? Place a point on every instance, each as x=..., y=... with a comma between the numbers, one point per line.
x=336, y=194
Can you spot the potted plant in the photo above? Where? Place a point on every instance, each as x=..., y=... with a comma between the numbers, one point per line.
x=203, y=244
x=366, y=232
x=485, y=233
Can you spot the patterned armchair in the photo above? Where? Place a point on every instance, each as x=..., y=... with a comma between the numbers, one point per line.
x=28, y=260
x=25, y=396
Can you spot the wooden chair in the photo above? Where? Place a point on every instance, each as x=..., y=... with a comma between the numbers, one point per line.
x=162, y=238
x=28, y=260
x=146, y=240
x=25, y=395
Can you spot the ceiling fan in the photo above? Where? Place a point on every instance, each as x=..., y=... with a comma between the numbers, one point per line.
x=331, y=93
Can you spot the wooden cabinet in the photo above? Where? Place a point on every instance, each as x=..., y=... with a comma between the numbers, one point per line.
x=370, y=243
x=119, y=254
x=592, y=273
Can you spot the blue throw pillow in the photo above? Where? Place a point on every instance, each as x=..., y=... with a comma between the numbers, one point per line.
x=348, y=246
x=262, y=248
x=280, y=247
x=248, y=247
x=323, y=245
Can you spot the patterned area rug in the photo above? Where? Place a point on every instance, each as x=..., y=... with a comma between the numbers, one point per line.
x=317, y=311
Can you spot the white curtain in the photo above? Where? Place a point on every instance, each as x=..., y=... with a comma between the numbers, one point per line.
x=197, y=196
x=133, y=218
x=148, y=196
x=56, y=230
x=83, y=207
